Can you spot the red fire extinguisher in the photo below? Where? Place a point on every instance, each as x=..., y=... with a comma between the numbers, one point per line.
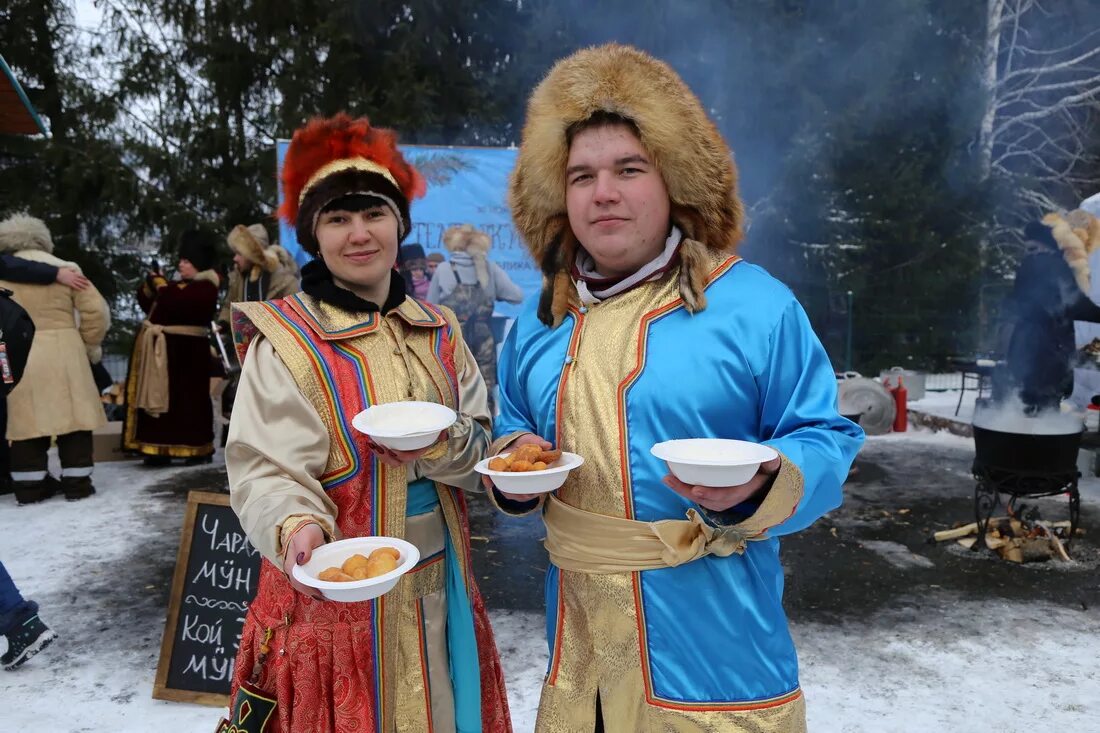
x=901, y=397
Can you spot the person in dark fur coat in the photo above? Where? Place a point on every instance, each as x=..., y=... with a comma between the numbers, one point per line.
x=168, y=409
x=1049, y=294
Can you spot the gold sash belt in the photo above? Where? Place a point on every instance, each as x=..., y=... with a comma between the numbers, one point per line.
x=595, y=543
x=152, y=353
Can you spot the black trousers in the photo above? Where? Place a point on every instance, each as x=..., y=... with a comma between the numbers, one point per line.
x=74, y=449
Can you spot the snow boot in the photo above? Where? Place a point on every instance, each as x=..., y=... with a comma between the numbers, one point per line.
x=77, y=487
x=29, y=637
x=32, y=492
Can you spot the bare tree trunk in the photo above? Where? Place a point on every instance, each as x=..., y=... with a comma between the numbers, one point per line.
x=990, y=58
x=994, y=13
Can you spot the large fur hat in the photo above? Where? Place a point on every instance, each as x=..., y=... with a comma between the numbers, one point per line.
x=339, y=156
x=474, y=242
x=412, y=255
x=1077, y=235
x=198, y=247
x=251, y=242
x=286, y=260
x=687, y=149
x=20, y=232
x=465, y=238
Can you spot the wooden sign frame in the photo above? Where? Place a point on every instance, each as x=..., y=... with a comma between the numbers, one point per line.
x=161, y=690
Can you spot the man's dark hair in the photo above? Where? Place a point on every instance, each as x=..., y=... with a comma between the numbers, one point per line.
x=600, y=118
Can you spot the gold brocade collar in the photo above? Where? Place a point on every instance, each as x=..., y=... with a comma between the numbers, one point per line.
x=332, y=323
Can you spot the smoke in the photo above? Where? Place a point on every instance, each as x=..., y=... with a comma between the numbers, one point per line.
x=1011, y=416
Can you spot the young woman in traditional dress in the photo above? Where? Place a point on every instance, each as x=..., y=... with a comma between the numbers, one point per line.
x=422, y=657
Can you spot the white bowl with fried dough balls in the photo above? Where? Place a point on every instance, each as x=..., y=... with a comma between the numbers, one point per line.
x=531, y=482
x=713, y=462
x=405, y=426
x=353, y=591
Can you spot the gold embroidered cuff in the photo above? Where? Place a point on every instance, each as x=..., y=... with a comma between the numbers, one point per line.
x=779, y=503
x=295, y=522
x=502, y=443
x=437, y=451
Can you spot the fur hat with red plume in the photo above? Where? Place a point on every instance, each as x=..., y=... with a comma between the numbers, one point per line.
x=330, y=158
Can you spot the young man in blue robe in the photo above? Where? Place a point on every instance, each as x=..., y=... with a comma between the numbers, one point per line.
x=664, y=600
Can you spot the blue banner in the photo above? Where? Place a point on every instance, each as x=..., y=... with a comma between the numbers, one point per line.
x=465, y=186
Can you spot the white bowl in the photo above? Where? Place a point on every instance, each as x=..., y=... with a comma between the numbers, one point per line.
x=404, y=425
x=713, y=461
x=531, y=482
x=335, y=553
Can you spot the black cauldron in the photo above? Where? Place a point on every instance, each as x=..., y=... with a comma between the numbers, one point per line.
x=1026, y=454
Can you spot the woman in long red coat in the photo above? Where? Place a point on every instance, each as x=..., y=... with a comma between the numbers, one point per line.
x=168, y=409
x=421, y=657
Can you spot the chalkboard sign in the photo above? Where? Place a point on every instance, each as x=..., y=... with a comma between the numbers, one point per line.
x=217, y=570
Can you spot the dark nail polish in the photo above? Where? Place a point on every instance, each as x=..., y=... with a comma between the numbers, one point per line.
x=301, y=557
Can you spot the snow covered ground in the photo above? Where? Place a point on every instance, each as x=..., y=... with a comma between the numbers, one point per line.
x=944, y=403
x=934, y=658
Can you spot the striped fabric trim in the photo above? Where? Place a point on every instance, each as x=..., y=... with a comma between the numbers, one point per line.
x=422, y=635
x=299, y=307
x=443, y=342
x=351, y=464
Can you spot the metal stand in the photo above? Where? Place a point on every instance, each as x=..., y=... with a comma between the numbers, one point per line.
x=992, y=482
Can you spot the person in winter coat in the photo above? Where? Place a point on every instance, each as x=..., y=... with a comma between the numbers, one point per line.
x=262, y=271
x=470, y=285
x=168, y=409
x=414, y=268
x=57, y=396
x=1050, y=293
x=18, y=270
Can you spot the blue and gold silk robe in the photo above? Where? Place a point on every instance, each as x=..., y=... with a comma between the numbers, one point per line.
x=703, y=646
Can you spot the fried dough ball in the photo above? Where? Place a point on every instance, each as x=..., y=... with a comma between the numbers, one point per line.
x=391, y=551
x=353, y=563
x=380, y=565
x=334, y=575
x=549, y=456
x=525, y=458
x=528, y=452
